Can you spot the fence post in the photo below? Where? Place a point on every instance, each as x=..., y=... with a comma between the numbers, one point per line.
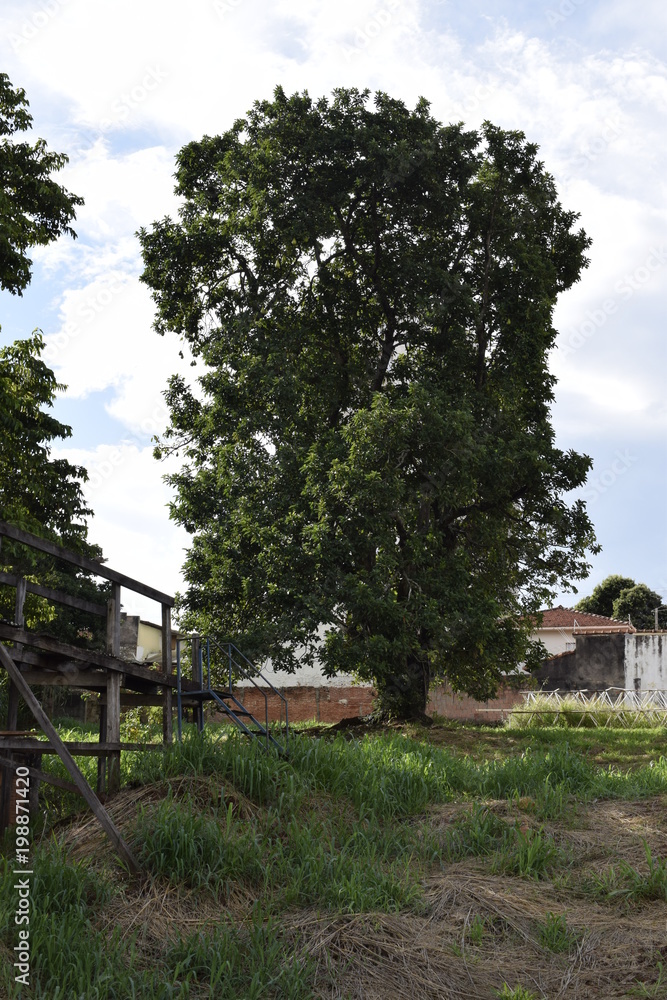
x=198, y=710
x=167, y=667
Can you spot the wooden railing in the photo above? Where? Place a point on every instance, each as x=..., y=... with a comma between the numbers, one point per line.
x=110, y=712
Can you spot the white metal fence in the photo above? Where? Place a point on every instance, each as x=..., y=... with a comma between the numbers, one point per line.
x=612, y=707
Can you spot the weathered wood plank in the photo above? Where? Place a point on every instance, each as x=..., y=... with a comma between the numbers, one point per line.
x=89, y=795
x=136, y=700
x=64, y=649
x=113, y=621
x=77, y=749
x=197, y=682
x=92, y=680
x=102, y=761
x=21, y=584
x=58, y=596
x=67, y=672
x=97, y=568
x=19, y=618
x=12, y=706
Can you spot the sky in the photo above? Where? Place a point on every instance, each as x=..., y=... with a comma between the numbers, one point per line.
x=120, y=86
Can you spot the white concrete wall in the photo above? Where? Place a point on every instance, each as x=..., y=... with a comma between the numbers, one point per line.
x=646, y=660
x=557, y=640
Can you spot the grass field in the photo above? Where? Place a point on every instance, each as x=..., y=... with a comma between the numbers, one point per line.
x=447, y=861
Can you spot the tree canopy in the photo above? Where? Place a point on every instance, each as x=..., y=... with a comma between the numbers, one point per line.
x=38, y=493
x=638, y=603
x=371, y=477
x=601, y=601
x=34, y=209
x=621, y=597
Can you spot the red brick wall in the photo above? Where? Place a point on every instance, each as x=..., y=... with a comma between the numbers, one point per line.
x=331, y=704
x=445, y=702
x=325, y=704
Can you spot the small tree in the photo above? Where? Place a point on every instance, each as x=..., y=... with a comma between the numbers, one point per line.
x=638, y=603
x=601, y=601
x=370, y=454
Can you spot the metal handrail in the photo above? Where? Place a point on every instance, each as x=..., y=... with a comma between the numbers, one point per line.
x=247, y=670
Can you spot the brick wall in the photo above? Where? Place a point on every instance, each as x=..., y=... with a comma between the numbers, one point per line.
x=325, y=704
x=331, y=704
x=457, y=706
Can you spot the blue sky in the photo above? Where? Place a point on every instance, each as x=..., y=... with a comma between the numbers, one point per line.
x=120, y=87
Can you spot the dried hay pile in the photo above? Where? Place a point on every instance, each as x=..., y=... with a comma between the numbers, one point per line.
x=435, y=954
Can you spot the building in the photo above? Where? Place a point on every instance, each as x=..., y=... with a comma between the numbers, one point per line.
x=560, y=627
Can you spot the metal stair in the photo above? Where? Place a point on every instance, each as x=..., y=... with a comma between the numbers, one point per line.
x=203, y=653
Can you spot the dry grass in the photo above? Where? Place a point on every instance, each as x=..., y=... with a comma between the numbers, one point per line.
x=432, y=954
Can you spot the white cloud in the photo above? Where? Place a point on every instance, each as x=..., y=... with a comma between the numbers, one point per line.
x=131, y=520
x=106, y=339
x=107, y=74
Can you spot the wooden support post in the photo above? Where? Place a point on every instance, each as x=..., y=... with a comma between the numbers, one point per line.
x=101, y=760
x=89, y=795
x=112, y=713
x=113, y=730
x=167, y=667
x=198, y=710
x=19, y=619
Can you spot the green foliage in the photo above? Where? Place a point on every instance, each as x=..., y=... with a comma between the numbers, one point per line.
x=370, y=448
x=38, y=493
x=318, y=830
x=531, y=854
x=625, y=883
x=42, y=495
x=601, y=601
x=476, y=929
x=620, y=597
x=656, y=989
x=477, y=834
x=186, y=847
x=544, y=712
x=34, y=210
x=516, y=993
x=638, y=604
x=252, y=962
x=555, y=935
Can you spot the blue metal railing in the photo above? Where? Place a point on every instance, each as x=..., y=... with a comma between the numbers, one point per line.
x=238, y=667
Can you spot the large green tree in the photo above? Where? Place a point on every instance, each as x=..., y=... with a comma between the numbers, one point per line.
x=38, y=493
x=371, y=476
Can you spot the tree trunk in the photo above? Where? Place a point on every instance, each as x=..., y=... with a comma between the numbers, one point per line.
x=404, y=694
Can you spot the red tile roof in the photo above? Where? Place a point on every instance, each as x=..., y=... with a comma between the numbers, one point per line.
x=569, y=618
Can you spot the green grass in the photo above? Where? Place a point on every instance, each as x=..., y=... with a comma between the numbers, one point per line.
x=340, y=827
x=516, y=993
x=555, y=935
x=625, y=883
x=251, y=962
